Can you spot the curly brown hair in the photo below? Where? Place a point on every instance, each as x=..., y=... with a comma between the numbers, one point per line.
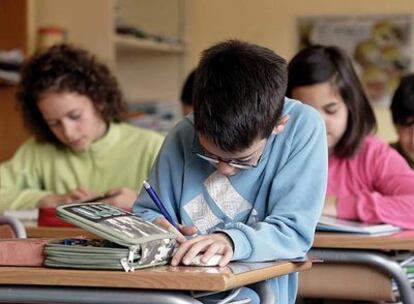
x=65, y=68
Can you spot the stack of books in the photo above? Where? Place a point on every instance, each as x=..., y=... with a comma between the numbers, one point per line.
x=332, y=224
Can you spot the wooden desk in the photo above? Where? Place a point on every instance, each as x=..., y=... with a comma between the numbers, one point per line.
x=169, y=279
x=50, y=284
x=349, y=258
x=398, y=241
x=163, y=277
x=57, y=232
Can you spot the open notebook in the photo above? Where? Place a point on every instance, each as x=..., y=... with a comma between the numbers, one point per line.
x=331, y=224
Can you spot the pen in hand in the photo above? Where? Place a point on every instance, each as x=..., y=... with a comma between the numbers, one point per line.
x=197, y=261
x=153, y=195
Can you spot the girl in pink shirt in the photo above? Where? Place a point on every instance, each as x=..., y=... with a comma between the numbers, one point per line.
x=368, y=180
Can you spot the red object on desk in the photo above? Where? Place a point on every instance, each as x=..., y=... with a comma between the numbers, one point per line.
x=47, y=217
x=22, y=252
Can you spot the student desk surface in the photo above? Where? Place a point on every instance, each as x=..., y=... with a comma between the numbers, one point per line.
x=151, y=285
x=162, y=277
x=168, y=281
x=350, y=257
x=397, y=241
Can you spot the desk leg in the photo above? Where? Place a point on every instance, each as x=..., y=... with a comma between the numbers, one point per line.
x=89, y=295
x=374, y=259
x=16, y=225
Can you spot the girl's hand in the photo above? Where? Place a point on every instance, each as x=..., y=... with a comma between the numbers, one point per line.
x=78, y=194
x=81, y=193
x=53, y=200
x=122, y=197
x=206, y=245
x=330, y=207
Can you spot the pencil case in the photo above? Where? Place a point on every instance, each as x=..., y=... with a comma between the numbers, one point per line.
x=128, y=241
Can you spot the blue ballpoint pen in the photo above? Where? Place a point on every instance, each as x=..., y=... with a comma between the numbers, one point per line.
x=153, y=195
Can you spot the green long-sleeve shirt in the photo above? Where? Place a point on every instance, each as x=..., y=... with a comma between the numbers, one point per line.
x=122, y=158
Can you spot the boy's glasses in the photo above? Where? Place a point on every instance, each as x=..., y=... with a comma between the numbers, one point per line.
x=233, y=163
x=215, y=160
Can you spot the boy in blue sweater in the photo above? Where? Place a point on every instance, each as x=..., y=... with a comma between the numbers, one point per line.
x=248, y=171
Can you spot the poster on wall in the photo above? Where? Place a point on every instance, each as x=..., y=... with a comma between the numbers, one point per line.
x=380, y=47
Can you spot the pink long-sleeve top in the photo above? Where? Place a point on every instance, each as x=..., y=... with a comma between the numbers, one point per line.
x=374, y=186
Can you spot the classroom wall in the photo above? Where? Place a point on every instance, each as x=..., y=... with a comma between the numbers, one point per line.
x=272, y=23
x=144, y=73
x=90, y=23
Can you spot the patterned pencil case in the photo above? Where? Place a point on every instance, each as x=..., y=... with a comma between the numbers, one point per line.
x=128, y=241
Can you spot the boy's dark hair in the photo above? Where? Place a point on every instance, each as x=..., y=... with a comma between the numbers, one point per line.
x=66, y=69
x=318, y=64
x=402, y=105
x=239, y=91
x=187, y=90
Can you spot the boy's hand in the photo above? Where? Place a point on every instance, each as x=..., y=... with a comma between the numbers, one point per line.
x=122, y=197
x=207, y=245
x=184, y=230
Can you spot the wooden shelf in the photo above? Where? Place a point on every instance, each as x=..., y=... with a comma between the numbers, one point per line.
x=124, y=42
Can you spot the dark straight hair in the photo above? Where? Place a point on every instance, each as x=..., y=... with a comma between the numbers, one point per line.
x=239, y=91
x=318, y=64
x=402, y=105
x=186, y=96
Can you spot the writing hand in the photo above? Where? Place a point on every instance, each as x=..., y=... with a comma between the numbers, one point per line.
x=206, y=245
x=181, y=235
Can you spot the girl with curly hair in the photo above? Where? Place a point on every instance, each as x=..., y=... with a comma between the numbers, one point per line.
x=80, y=148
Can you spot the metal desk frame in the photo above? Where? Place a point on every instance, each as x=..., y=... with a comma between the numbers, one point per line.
x=15, y=224
x=88, y=295
x=374, y=259
x=84, y=295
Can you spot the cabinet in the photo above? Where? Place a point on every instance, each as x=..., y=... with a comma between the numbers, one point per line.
x=13, y=34
x=12, y=131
